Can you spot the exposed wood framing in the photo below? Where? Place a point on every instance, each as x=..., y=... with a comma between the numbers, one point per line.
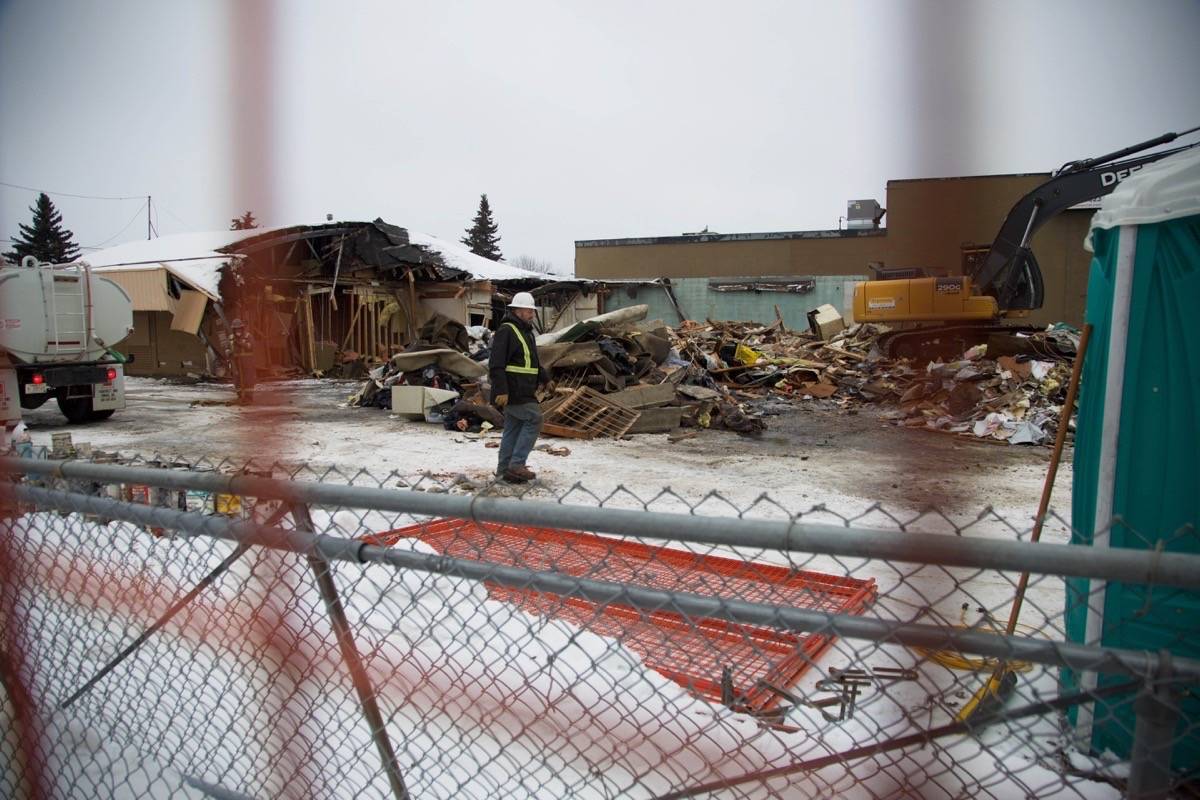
x=338, y=268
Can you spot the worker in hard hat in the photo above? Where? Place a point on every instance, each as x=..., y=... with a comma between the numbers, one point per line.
x=515, y=375
x=245, y=374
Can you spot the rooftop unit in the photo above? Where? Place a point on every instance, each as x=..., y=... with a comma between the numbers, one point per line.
x=864, y=214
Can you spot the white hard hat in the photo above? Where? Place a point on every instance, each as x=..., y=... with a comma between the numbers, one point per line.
x=522, y=300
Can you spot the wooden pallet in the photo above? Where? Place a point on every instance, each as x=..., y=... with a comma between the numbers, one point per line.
x=586, y=414
x=571, y=379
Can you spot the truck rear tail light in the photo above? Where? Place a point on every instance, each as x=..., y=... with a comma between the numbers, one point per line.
x=38, y=379
x=111, y=375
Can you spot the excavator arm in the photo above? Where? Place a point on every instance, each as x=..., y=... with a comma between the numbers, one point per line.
x=953, y=313
x=1010, y=272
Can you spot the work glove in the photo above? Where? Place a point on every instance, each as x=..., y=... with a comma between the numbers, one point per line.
x=551, y=387
x=500, y=400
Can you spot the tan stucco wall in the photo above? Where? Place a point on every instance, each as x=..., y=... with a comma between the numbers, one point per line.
x=713, y=259
x=929, y=221
x=161, y=351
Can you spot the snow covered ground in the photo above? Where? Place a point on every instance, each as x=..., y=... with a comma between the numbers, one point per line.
x=245, y=691
x=815, y=455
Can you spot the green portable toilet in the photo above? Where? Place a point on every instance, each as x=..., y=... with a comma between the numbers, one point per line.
x=1137, y=444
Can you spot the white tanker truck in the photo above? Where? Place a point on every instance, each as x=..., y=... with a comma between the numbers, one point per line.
x=58, y=325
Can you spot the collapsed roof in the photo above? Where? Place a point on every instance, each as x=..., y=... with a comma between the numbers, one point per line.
x=198, y=259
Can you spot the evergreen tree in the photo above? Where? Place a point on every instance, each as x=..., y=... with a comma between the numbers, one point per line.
x=46, y=239
x=482, y=236
x=243, y=223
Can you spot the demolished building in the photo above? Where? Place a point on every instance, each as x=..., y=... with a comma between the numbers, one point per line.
x=315, y=296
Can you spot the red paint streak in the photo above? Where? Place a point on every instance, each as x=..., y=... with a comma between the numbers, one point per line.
x=30, y=757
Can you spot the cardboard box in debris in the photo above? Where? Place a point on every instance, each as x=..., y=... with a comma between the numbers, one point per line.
x=618, y=374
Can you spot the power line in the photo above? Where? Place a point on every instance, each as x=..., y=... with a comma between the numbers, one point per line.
x=118, y=233
x=69, y=194
x=158, y=206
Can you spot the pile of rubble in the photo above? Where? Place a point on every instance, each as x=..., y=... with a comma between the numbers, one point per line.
x=617, y=375
x=1010, y=398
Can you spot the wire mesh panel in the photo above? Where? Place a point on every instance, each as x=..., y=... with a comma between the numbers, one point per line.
x=696, y=652
x=206, y=640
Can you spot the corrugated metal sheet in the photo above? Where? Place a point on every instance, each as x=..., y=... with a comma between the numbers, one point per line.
x=146, y=287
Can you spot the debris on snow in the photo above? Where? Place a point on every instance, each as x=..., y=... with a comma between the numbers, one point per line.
x=629, y=376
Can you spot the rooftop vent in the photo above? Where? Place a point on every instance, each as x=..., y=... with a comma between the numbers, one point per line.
x=864, y=214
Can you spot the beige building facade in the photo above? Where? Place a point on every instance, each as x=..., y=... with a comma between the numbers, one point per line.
x=939, y=224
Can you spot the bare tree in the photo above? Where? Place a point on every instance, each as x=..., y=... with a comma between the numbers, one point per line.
x=534, y=265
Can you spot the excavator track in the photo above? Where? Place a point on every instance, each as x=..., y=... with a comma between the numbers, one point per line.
x=945, y=341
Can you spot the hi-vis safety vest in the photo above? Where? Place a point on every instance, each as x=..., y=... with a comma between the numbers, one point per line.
x=529, y=368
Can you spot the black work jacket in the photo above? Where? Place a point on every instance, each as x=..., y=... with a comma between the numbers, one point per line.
x=513, y=367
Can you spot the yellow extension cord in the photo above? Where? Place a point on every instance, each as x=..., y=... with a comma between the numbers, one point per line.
x=952, y=659
x=990, y=696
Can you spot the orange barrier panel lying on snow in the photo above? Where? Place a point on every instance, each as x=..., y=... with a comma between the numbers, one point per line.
x=691, y=651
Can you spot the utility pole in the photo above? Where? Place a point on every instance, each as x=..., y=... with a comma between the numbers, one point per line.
x=147, y=217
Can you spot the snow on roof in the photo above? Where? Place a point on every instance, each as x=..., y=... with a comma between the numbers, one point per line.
x=458, y=257
x=190, y=257
x=195, y=258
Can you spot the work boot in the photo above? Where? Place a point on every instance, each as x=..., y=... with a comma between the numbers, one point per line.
x=519, y=474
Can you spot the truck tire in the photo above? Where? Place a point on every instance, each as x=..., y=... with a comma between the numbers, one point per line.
x=77, y=410
x=103, y=414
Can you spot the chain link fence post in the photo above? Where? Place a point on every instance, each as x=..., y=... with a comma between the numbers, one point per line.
x=358, y=674
x=1156, y=711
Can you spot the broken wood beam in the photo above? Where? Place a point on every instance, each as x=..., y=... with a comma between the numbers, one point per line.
x=642, y=397
x=657, y=420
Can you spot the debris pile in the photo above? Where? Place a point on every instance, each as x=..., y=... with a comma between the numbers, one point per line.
x=1004, y=399
x=1010, y=398
x=617, y=374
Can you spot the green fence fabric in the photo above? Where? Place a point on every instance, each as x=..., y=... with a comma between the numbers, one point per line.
x=1156, y=495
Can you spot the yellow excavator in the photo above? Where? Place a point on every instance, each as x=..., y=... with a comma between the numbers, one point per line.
x=946, y=315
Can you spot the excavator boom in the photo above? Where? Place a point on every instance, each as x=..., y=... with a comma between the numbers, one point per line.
x=1008, y=281
x=1009, y=272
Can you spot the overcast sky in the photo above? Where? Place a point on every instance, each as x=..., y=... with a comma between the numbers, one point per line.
x=580, y=120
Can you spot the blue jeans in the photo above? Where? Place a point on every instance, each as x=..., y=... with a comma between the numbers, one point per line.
x=522, y=424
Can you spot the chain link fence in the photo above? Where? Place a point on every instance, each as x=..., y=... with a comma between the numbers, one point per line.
x=177, y=629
